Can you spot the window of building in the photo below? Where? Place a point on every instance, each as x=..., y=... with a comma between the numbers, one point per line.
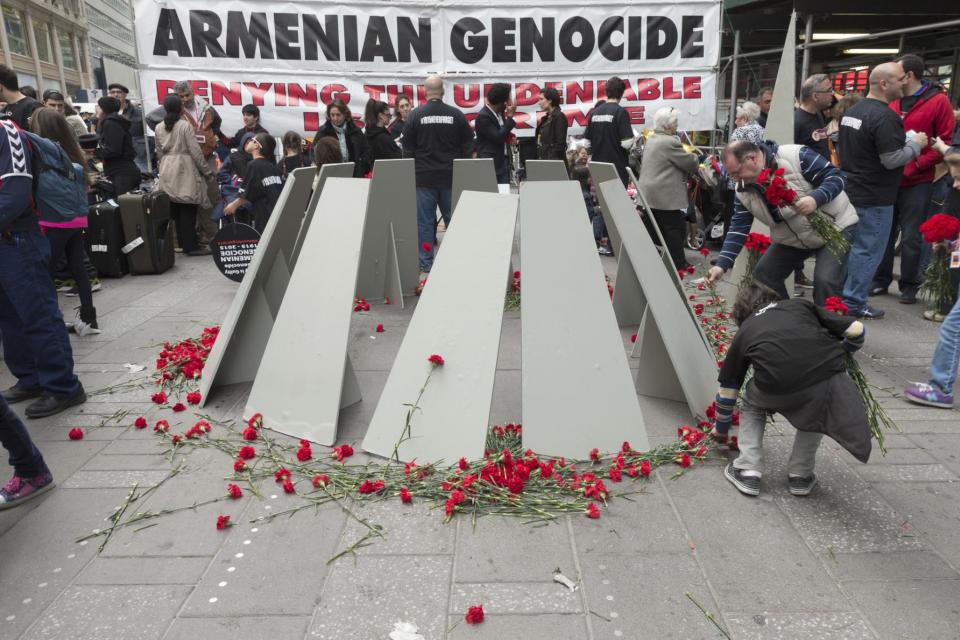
x=66, y=51
x=16, y=34
x=41, y=33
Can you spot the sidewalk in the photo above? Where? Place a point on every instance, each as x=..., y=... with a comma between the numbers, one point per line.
x=871, y=554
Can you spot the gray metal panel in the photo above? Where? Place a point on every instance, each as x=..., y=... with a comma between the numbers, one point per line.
x=540, y=170
x=601, y=172
x=691, y=359
x=244, y=332
x=336, y=170
x=392, y=202
x=629, y=303
x=459, y=316
x=574, y=365
x=300, y=383
x=473, y=175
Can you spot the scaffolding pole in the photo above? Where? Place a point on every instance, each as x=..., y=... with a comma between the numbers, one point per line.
x=733, y=83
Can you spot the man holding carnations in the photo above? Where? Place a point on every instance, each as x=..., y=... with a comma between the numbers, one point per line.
x=785, y=187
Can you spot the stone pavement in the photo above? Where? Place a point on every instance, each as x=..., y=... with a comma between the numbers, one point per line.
x=871, y=554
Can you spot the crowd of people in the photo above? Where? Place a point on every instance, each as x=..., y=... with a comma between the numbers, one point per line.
x=871, y=166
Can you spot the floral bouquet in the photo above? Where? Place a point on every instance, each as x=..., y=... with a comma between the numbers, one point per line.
x=777, y=193
x=936, y=286
x=756, y=245
x=876, y=416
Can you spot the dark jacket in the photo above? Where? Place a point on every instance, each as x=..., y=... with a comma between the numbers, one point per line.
x=396, y=128
x=235, y=140
x=435, y=135
x=134, y=114
x=931, y=113
x=382, y=145
x=491, y=138
x=552, y=136
x=357, y=146
x=116, y=146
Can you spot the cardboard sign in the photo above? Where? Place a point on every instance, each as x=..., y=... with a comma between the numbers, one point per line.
x=233, y=248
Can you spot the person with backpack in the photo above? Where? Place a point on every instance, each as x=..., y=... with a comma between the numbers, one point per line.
x=262, y=183
x=116, y=147
x=63, y=174
x=35, y=343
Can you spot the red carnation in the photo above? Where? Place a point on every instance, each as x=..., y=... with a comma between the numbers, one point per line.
x=239, y=465
x=379, y=328
x=247, y=453
x=940, y=227
x=223, y=522
x=162, y=426
x=633, y=337
x=595, y=454
x=463, y=464
x=175, y=439
x=704, y=251
x=249, y=434
x=474, y=615
x=426, y=246
x=367, y=487
x=592, y=511
x=234, y=491
x=159, y=397
x=140, y=423
x=177, y=408
x=683, y=460
x=320, y=480
x=193, y=398
x=405, y=496
x=343, y=451
x=615, y=474
x=281, y=474
x=436, y=360
x=645, y=468
x=76, y=433
x=288, y=487
x=836, y=304
x=304, y=454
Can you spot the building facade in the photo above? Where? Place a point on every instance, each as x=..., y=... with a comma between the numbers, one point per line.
x=47, y=43
x=112, y=44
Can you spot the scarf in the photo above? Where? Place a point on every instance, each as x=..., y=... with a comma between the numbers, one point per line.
x=342, y=139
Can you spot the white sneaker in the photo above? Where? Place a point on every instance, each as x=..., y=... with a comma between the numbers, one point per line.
x=82, y=329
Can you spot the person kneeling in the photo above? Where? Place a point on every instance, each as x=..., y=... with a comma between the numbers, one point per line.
x=798, y=352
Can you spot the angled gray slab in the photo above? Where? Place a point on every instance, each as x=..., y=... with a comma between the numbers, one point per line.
x=601, y=172
x=473, y=175
x=244, y=332
x=690, y=359
x=388, y=260
x=572, y=352
x=540, y=170
x=459, y=317
x=658, y=380
x=629, y=303
x=337, y=170
x=305, y=376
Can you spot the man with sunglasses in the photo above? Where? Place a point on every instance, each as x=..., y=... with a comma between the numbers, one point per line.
x=873, y=150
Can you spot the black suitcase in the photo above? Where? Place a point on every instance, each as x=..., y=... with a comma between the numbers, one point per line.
x=148, y=230
x=104, y=239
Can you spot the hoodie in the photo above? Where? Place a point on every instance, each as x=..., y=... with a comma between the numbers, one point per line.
x=929, y=112
x=116, y=146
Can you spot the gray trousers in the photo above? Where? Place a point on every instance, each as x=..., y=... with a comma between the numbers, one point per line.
x=753, y=421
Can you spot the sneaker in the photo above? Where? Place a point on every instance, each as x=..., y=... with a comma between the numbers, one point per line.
x=929, y=395
x=16, y=394
x=908, y=296
x=64, y=285
x=800, y=485
x=18, y=490
x=83, y=329
x=877, y=290
x=933, y=316
x=803, y=282
x=94, y=286
x=869, y=312
x=604, y=250
x=747, y=482
x=49, y=404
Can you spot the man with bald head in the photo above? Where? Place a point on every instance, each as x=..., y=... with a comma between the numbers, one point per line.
x=435, y=135
x=873, y=150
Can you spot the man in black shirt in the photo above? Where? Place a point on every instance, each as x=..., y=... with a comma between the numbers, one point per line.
x=873, y=150
x=809, y=128
x=19, y=107
x=798, y=354
x=251, y=124
x=493, y=125
x=435, y=135
x=609, y=132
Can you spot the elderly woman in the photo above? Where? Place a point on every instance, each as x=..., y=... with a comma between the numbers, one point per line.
x=663, y=181
x=747, y=126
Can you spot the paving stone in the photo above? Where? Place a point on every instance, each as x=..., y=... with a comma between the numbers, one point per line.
x=645, y=524
x=888, y=565
x=506, y=406
x=110, y=479
x=407, y=529
x=143, y=445
x=502, y=549
x=528, y=627
x=144, y=571
x=899, y=455
x=910, y=610
x=95, y=612
x=930, y=512
x=644, y=596
x=362, y=600
x=907, y=473
x=238, y=628
x=38, y=555
x=148, y=462
x=799, y=626
x=516, y=597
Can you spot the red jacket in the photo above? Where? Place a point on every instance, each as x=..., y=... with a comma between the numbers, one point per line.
x=933, y=115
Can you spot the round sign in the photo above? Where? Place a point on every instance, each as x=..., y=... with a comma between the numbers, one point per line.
x=233, y=248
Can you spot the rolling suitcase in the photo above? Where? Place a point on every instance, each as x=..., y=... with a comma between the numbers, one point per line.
x=104, y=239
x=148, y=230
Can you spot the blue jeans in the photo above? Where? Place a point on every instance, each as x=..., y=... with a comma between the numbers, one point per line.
x=938, y=198
x=866, y=251
x=25, y=458
x=913, y=205
x=428, y=200
x=781, y=261
x=943, y=367
x=35, y=342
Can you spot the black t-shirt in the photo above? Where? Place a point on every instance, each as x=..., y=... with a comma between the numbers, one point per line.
x=434, y=136
x=867, y=130
x=262, y=185
x=21, y=110
x=609, y=125
x=810, y=130
x=792, y=344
